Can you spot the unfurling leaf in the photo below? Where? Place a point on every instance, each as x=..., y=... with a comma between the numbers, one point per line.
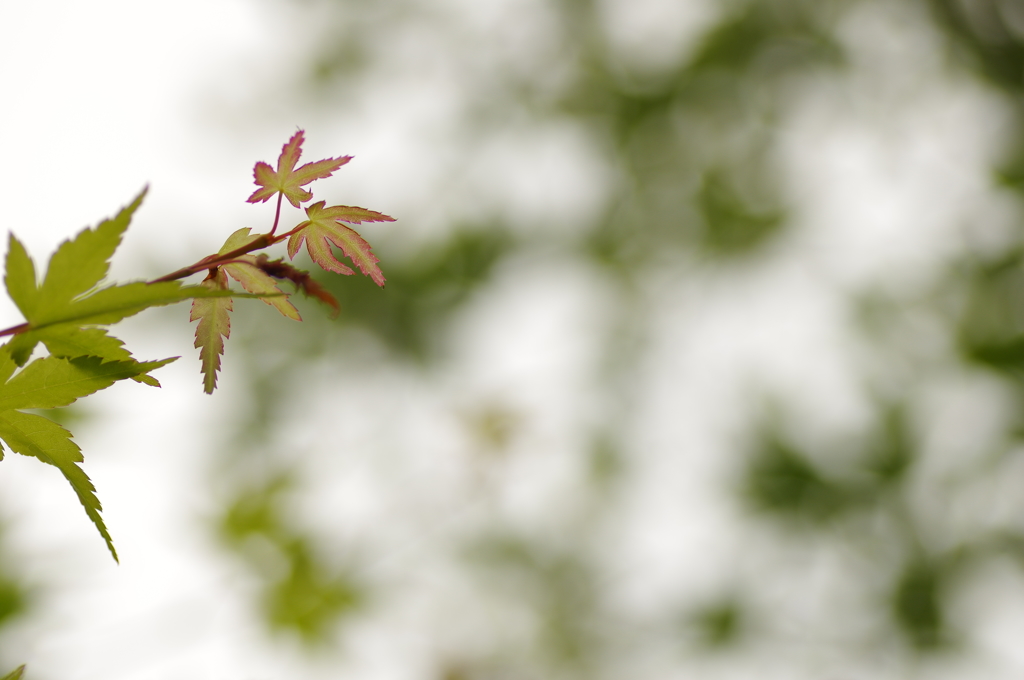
x=289, y=181
x=214, y=326
x=247, y=272
x=325, y=227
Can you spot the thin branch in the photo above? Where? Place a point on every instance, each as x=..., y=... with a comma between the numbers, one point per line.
x=207, y=263
x=211, y=261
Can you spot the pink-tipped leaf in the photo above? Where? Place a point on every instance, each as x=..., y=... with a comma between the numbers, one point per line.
x=287, y=180
x=324, y=228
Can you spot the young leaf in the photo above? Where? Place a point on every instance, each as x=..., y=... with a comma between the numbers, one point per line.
x=289, y=181
x=214, y=326
x=238, y=238
x=325, y=227
x=246, y=271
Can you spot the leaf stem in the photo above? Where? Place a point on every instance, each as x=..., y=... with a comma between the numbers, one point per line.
x=211, y=261
x=14, y=330
x=277, y=214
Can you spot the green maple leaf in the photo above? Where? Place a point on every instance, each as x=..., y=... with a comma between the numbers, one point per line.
x=15, y=674
x=324, y=227
x=53, y=382
x=288, y=180
x=58, y=311
x=214, y=326
x=247, y=272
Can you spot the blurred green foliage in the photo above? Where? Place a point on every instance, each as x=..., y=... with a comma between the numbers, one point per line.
x=16, y=597
x=782, y=480
x=694, y=141
x=560, y=587
x=917, y=604
x=13, y=598
x=693, y=144
x=299, y=592
x=422, y=292
x=720, y=625
x=991, y=324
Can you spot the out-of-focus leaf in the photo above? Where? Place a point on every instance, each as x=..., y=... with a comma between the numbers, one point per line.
x=421, y=293
x=300, y=593
x=557, y=583
x=309, y=600
x=780, y=480
x=991, y=325
x=730, y=225
x=917, y=604
x=891, y=455
x=719, y=625
x=990, y=42
x=16, y=674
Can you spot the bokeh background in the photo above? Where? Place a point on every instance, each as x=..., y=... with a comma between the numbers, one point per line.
x=700, y=354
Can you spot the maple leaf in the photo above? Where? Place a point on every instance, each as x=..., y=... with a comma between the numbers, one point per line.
x=214, y=326
x=287, y=180
x=325, y=227
x=57, y=311
x=53, y=382
x=247, y=272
